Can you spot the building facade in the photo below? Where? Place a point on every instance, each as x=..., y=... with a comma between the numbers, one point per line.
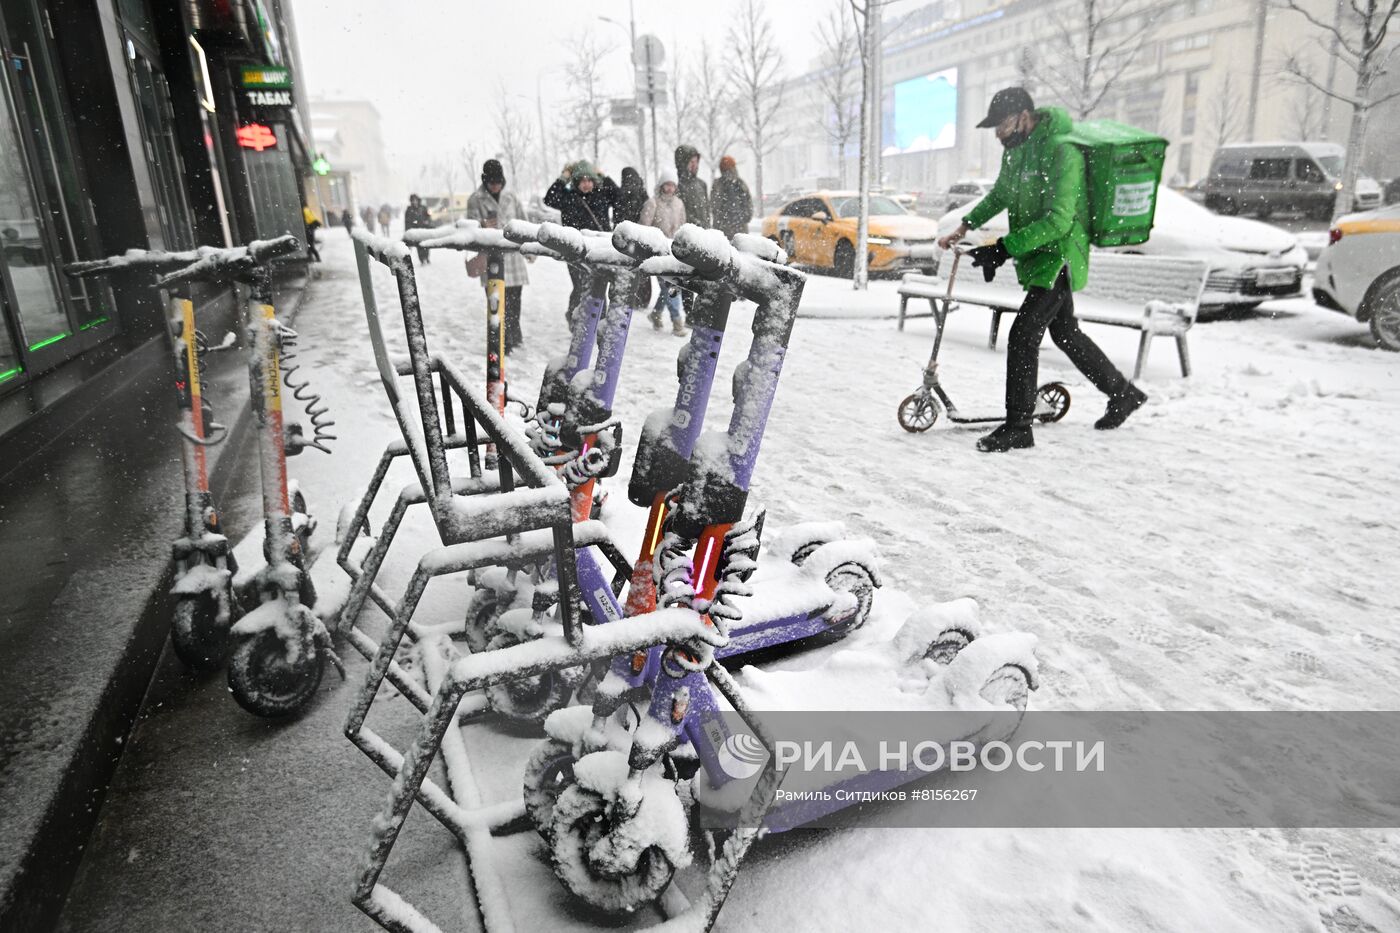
x=1198, y=72
x=127, y=124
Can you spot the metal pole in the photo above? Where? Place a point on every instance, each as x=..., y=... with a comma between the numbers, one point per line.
x=641, y=130
x=1261, y=11
x=1331, y=71
x=861, y=276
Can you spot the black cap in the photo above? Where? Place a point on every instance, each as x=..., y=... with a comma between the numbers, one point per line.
x=491, y=171
x=1007, y=102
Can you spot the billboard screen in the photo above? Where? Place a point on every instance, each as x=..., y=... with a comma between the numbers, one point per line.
x=921, y=114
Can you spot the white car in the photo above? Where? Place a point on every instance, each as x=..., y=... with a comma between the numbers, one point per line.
x=1250, y=262
x=1359, y=272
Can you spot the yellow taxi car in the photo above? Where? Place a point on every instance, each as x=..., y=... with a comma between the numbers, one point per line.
x=819, y=230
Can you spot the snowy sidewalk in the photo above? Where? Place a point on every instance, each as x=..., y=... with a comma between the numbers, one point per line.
x=1229, y=548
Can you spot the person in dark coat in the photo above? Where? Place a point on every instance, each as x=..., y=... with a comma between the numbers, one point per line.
x=415, y=217
x=632, y=197
x=347, y=220
x=585, y=199
x=696, y=198
x=730, y=201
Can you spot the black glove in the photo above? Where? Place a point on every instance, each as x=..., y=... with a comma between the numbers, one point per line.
x=989, y=259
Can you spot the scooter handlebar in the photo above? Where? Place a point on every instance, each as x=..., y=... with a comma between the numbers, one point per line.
x=203, y=263
x=640, y=242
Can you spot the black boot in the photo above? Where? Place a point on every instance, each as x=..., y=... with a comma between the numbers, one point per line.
x=1015, y=434
x=1120, y=406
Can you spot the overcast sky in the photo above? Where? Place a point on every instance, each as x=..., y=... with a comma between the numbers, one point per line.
x=432, y=67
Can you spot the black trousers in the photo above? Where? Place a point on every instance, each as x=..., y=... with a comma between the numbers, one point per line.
x=1053, y=309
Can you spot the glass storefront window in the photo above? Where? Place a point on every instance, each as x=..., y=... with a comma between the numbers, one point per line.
x=42, y=318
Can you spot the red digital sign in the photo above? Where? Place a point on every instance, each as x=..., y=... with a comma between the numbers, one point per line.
x=256, y=136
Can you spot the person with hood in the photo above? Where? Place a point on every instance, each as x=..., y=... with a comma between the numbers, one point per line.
x=312, y=224
x=416, y=217
x=730, y=201
x=1042, y=187
x=585, y=199
x=347, y=220
x=632, y=197
x=694, y=195
x=386, y=214
x=492, y=205
x=367, y=215
x=666, y=212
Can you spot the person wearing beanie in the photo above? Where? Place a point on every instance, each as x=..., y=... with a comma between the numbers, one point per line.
x=666, y=212
x=492, y=205
x=585, y=199
x=415, y=217
x=730, y=202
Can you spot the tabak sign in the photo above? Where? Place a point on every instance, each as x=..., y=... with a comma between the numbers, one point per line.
x=265, y=91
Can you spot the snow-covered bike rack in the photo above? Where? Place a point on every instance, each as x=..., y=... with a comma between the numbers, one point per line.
x=750, y=269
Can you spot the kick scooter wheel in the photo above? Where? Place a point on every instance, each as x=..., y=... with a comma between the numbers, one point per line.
x=1052, y=402
x=918, y=412
x=200, y=642
x=266, y=682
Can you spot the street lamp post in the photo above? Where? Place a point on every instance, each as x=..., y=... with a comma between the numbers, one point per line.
x=631, y=30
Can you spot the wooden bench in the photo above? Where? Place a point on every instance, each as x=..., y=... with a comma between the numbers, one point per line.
x=1156, y=295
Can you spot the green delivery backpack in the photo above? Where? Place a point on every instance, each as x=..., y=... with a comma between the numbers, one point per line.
x=1125, y=167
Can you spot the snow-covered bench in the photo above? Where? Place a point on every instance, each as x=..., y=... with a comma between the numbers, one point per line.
x=1158, y=296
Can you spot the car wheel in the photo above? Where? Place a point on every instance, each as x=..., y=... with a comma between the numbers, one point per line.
x=1228, y=206
x=1382, y=305
x=844, y=259
x=1265, y=211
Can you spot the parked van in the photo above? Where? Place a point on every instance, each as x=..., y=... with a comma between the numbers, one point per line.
x=1261, y=178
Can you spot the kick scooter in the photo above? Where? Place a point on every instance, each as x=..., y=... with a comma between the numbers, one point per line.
x=918, y=412
x=204, y=563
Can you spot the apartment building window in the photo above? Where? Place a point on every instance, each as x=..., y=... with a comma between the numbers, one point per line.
x=1189, y=97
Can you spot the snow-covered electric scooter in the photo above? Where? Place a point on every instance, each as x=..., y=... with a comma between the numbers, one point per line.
x=918, y=411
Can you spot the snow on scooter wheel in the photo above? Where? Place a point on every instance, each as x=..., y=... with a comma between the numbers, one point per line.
x=799, y=541
x=616, y=847
x=548, y=773
x=947, y=643
x=1009, y=685
x=269, y=680
x=528, y=701
x=199, y=639
x=1052, y=402
x=478, y=628
x=856, y=579
x=918, y=412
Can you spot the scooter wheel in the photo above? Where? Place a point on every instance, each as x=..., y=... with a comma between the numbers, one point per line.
x=267, y=683
x=548, y=773
x=856, y=579
x=304, y=532
x=1054, y=402
x=918, y=412
x=581, y=823
x=946, y=645
x=1008, y=685
x=528, y=701
x=199, y=640
x=483, y=609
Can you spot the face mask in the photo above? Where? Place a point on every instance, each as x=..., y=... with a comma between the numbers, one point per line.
x=1015, y=139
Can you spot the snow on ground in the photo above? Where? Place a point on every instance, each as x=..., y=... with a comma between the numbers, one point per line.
x=1231, y=547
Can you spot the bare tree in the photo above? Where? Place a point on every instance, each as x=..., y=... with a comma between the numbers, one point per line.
x=683, y=102
x=839, y=81
x=1225, y=116
x=755, y=61
x=586, y=115
x=1091, y=45
x=516, y=133
x=1305, y=113
x=1360, y=37
x=714, y=106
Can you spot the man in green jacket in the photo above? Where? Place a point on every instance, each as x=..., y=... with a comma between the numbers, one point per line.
x=1041, y=186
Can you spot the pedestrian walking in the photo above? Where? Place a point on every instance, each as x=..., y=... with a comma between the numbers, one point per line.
x=585, y=199
x=367, y=215
x=492, y=205
x=632, y=197
x=386, y=214
x=731, y=205
x=416, y=217
x=695, y=196
x=347, y=220
x=312, y=224
x=666, y=212
x=1042, y=187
